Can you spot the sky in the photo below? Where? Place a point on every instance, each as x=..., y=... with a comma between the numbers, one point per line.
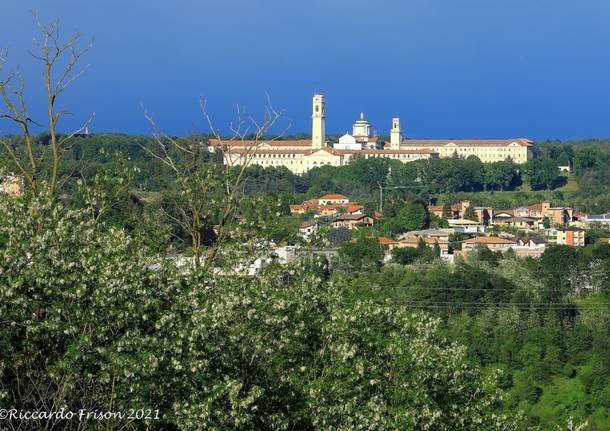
x=449, y=69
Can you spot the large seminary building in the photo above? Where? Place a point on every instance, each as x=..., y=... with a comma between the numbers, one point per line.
x=300, y=156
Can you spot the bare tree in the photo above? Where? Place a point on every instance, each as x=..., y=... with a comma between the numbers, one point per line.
x=210, y=191
x=59, y=59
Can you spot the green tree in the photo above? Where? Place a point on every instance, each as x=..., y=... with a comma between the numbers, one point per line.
x=336, y=237
x=500, y=176
x=411, y=390
x=471, y=214
x=361, y=254
x=405, y=255
x=412, y=216
x=447, y=213
x=541, y=174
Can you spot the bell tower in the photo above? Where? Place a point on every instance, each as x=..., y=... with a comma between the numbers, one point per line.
x=395, y=134
x=318, y=127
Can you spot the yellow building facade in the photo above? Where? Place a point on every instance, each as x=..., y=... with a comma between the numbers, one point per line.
x=488, y=151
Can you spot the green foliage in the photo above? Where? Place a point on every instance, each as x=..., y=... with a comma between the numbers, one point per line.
x=99, y=319
x=337, y=237
x=470, y=214
x=543, y=174
x=397, y=387
x=412, y=216
x=361, y=254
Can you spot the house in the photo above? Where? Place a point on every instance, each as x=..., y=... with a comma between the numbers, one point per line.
x=503, y=215
x=466, y=226
x=328, y=205
x=524, y=223
x=333, y=198
x=431, y=241
x=352, y=221
x=307, y=228
x=457, y=210
x=578, y=219
x=354, y=208
x=556, y=215
x=485, y=215
x=492, y=243
x=603, y=219
x=531, y=242
x=571, y=236
x=308, y=205
x=434, y=233
x=559, y=215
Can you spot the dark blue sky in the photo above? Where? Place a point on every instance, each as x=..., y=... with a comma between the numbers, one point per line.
x=449, y=69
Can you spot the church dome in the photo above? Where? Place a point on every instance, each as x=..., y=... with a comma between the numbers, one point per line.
x=362, y=120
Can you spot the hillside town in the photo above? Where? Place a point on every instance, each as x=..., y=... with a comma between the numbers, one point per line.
x=462, y=228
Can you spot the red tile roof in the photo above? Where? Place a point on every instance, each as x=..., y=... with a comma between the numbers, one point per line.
x=427, y=239
x=266, y=151
x=250, y=143
x=381, y=152
x=307, y=224
x=489, y=240
x=333, y=196
x=467, y=142
x=386, y=241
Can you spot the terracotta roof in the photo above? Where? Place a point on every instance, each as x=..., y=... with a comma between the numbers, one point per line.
x=468, y=142
x=427, y=239
x=307, y=224
x=462, y=222
x=489, y=240
x=265, y=151
x=377, y=214
x=368, y=151
x=333, y=196
x=351, y=217
x=386, y=241
x=350, y=208
x=428, y=232
x=535, y=240
x=249, y=143
x=517, y=219
x=571, y=229
x=243, y=149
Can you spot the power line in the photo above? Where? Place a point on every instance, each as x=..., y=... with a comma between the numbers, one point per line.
x=482, y=289
x=480, y=304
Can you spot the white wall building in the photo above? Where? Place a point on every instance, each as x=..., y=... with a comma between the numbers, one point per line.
x=300, y=156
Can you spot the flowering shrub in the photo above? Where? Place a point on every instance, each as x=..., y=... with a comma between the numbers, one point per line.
x=91, y=318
